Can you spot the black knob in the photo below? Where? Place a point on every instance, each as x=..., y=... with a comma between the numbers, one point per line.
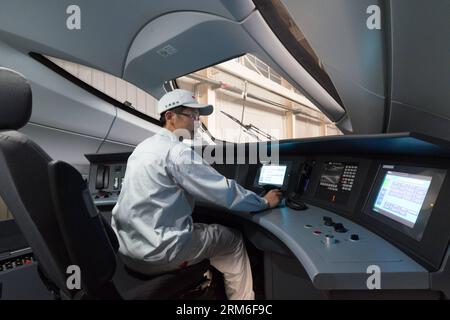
x=339, y=227
x=354, y=237
x=328, y=221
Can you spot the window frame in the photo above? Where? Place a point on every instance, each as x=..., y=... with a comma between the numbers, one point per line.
x=80, y=83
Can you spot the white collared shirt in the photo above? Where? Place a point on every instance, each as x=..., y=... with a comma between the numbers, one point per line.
x=152, y=217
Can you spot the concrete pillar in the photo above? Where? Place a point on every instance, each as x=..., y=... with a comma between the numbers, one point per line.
x=205, y=94
x=290, y=125
x=323, y=126
x=290, y=117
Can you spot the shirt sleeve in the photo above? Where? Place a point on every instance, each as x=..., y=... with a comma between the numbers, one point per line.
x=203, y=182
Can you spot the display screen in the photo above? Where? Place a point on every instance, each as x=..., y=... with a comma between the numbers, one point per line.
x=332, y=174
x=336, y=181
x=272, y=174
x=404, y=197
x=401, y=196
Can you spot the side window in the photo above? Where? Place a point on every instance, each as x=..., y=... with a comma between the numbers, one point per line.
x=252, y=102
x=118, y=89
x=5, y=214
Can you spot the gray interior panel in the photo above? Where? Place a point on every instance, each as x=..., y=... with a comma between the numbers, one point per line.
x=286, y=279
x=194, y=40
x=23, y=283
x=58, y=102
x=345, y=125
x=113, y=147
x=367, y=109
x=353, y=55
x=440, y=280
x=420, y=73
x=130, y=129
x=421, y=56
x=410, y=118
x=102, y=42
x=62, y=145
x=338, y=33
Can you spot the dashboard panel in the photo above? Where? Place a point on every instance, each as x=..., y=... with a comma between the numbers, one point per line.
x=374, y=199
x=106, y=174
x=354, y=186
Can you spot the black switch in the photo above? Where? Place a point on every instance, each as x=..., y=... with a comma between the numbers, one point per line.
x=328, y=221
x=339, y=227
x=354, y=237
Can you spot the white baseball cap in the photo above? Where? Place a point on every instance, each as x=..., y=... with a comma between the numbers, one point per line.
x=181, y=97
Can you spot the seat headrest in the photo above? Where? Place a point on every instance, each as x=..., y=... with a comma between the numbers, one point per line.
x=15, y=100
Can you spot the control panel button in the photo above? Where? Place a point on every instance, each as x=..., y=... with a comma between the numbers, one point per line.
x=339, y=227
x=317, y=232
x=308, y=226
x=354, y=237
x=329, y=239
x=328, y=221
x=16, y=262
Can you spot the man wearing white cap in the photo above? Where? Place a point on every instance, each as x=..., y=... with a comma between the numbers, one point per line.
x=152, y=217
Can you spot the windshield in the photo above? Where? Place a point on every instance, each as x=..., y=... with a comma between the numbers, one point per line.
x=254, y=103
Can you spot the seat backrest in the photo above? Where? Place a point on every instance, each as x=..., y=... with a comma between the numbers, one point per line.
x=24, y=184
x=91, y=243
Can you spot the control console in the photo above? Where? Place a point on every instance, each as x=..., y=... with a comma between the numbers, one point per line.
x=106, y=175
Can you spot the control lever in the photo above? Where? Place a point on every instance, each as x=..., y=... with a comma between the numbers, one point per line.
x=102, y=177
x=339, y=227
x=328, y=221
x=303, y=181
x=294, y=201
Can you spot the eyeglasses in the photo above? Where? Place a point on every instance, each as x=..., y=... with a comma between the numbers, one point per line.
x=194, y=116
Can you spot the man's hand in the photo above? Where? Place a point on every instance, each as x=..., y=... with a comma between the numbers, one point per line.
x=273, y=197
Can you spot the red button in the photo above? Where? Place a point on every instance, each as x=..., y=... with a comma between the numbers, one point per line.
x=317, y=232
